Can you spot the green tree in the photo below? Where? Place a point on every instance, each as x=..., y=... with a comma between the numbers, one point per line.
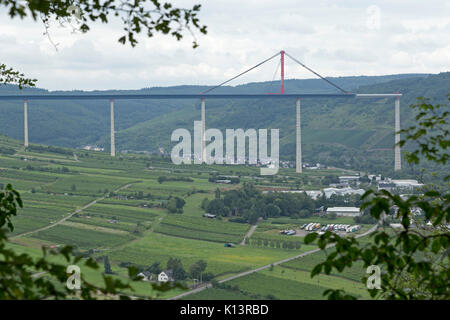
x=137, y=16
x=179, y=203
x=11, y=76
x=196, y=269
x=155, y=268
x=172, y=205
x=332, y=215
x=272, y=210
x=161, y=179
x=149, y=17
x=176, y=266
x=415, y=261
x=107, y=265
x=216, y=206
x=205, y=203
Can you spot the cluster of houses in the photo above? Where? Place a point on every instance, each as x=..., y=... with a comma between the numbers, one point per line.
x=346, y=181
x=382, y=182
x=400, y=184
x=328, y=192
x=164, y=276
x=348, y=185
x=159, y=151
x=93, y=148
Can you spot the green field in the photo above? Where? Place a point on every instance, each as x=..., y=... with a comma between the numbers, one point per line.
x=82, y=238
x=221, y=260
x=202, y=229
x=288, y=283
x=130, y=224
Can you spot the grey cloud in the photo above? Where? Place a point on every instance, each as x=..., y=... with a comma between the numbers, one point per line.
x=332, y=37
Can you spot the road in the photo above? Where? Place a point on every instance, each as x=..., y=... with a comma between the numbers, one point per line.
x=250, y=232
x=208, y=285
x=70, y=215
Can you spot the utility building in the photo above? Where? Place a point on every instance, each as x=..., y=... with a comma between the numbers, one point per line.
x=345, y=211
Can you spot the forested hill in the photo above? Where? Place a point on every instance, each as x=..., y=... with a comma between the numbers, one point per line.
x=344, y=132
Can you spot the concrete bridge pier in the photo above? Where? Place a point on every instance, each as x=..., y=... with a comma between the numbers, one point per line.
x=25, y=123
x=397, y=152
x=113, y=143
x=298, y=164
x=203, y=132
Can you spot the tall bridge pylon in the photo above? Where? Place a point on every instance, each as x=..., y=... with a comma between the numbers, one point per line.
x=298, y=166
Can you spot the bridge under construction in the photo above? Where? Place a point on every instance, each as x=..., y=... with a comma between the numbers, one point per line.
x=206, y=95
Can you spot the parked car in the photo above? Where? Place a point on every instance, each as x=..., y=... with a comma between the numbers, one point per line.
x=229, y=245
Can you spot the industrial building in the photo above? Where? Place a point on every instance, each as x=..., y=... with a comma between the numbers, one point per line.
x=347, y=180
x=345, y=211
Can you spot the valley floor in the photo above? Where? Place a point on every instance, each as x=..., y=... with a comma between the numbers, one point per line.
x=117, y=207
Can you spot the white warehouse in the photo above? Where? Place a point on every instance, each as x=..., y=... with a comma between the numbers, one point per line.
x=345, y=211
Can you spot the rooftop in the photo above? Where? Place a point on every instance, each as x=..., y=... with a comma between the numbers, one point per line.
x=348, y=209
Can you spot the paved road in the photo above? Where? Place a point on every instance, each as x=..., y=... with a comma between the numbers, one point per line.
x=208, y=285
x=70, y=215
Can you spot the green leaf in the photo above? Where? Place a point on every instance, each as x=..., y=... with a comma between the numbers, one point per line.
x=310, y=237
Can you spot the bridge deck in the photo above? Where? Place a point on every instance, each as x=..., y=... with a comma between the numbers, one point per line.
x=168, y=96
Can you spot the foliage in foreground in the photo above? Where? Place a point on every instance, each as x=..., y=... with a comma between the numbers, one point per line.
x=150, y=17
x=414, y=261
x=23, y=277
x=11, y=76
x=138, y=16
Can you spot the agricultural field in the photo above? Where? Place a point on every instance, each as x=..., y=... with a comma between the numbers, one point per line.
x=221, y=260
x=290, y=281
x=307, y=263
x=194, y=202
x=83, y=238
x=219, y=294
x=302, y=286
x=88, y=185
x=117, y=207
x=203, y=229
x=41, y=209
x=120, y=213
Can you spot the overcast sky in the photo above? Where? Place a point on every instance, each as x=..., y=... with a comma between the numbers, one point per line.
x=336, y=38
